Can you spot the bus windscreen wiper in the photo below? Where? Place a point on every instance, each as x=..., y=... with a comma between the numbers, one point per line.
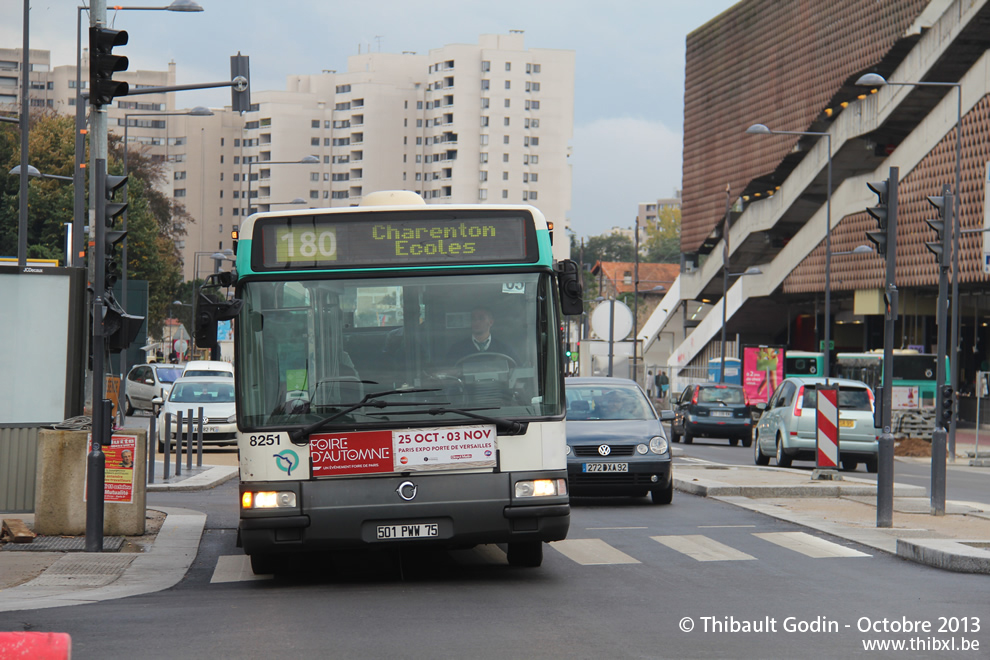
x=509, y=425
x=301, y=436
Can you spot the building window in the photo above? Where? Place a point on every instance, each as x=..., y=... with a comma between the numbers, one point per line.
x=314, y=123
x=484, y=140
x=486, y=66
x=505, y=121
x=483, y=176
x=508, y=84
x=484, y=157
x=237, y=212
x=220, y=213
x=482, y=195
x=314, y=176
x=484, y=103
x=180, y=175
x=505, y=158
x=508, y=103
x=505, y=194
x=505, y=176
x=179, y=192
x=314, y=194
x=485, y=85
x=314, y=142
x=505, y=139
x=484, y=121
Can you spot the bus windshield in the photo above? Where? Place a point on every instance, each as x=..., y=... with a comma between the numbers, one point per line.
x=484, y=343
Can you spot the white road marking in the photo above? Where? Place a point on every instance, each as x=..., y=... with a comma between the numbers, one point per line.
x=809, y=545
x=235, y=568
x=723, y=526
x=592, y=552
x=702, y=548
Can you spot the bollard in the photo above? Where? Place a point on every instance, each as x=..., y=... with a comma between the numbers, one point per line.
x=938, y=472
x=167, y=449
x=885, y=480
x=199, y=440
x=178, y=443
x=189, y=437
x=152, y=440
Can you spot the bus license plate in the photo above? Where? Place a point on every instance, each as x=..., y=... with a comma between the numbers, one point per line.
x=408, y=531
x=606, y=467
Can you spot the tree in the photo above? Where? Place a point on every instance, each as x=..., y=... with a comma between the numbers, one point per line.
x=608, y=247
x=154, y=221
x=662, y=244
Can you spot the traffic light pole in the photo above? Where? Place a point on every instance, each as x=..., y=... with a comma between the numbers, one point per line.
x=885, y=456
x=941, y=312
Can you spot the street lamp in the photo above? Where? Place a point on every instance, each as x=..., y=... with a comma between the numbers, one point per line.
x=859, y=249
x=761, y=129
x=306, y=160
x=876, y=80
x=78, y=174
x=33, y=171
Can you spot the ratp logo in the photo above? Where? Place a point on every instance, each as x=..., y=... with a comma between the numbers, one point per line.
x=287, y=461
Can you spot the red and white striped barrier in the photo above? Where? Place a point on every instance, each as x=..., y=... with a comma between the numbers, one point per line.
x=828, y=427
x=35, y=646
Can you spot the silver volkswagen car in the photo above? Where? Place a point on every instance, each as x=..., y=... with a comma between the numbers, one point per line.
x=787, y=429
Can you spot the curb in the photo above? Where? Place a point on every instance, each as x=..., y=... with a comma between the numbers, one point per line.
x=960, y=556
x=163, y=566
x=209, y=479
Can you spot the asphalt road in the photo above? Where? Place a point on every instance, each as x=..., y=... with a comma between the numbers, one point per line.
x=611, y=590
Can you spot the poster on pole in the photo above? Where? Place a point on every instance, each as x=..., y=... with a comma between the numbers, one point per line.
x=118, y=471
x=763, y=370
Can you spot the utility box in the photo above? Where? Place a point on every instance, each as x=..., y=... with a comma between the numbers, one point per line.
x=60, y=489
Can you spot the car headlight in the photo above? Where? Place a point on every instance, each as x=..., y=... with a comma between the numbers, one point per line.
x=232, y=419
x=567, y=450
x=658, y=444
x=641, y=448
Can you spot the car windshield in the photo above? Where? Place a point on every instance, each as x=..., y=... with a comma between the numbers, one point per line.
x=721, y=395
x=606, y=402
x=207, y=372
x=169, y=374
x=210, y=392
x=850, y=398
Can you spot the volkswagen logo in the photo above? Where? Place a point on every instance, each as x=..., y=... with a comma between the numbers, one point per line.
x=407, y=490
x=604, y=450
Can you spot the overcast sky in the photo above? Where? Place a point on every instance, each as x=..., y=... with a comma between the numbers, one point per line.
x=629, y=86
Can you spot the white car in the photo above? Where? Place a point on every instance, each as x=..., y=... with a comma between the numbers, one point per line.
x=147, y=381
x=196, y=368
x=215, y=395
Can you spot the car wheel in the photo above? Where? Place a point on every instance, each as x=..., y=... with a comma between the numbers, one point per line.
x=128, y=408
x=734, y=442
x=663, y=495
x=525, y=553
x=687, y=438
x=872, y=465
x=849, y=466
x=674, y=435
x=758, y=456
x=747, y=441
x=783, y=460
x=263, y=564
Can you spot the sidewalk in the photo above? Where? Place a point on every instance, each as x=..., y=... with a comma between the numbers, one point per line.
x=957, y=541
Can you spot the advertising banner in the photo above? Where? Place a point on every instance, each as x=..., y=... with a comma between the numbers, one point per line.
x=763, y=370
x=406, y=450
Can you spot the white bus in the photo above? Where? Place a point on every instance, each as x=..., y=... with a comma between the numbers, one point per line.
x=366, y=413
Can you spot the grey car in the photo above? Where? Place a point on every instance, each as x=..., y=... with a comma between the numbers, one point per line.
x=146, y=381
x=787, y=429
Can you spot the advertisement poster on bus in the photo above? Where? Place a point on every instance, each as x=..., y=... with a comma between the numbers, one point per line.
x=406, y=450
x=118, y=473
x=763, y=370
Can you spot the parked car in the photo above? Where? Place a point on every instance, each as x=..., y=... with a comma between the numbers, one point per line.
x=215, y=395
x=787, y=429
x=616, y=444
x=146, y=381
x=713, y=410
x=196, y=368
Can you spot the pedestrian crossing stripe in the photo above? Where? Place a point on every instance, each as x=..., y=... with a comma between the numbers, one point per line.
x=809, y=545
x=592, y=552
x=702, y=548
x=596, y=552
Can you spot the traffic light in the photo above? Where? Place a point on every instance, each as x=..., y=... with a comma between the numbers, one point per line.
x=103, y=64
x=240, y=76
x=119, y=327
x=940, y=246
x=945, y=414
x=567, y=351
x=234, y=233
x=879, y=212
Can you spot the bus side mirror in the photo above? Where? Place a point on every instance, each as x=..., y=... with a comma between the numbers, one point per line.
x=209, y=314
x=569, y=286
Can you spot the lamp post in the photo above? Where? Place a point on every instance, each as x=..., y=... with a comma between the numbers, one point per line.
x=78, y=174
x=33, y=171
x=876, y=80
x=305, y=160
x=761, y=129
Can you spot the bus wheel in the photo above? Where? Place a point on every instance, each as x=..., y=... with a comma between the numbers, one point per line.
x=525, y=553
x=263, y=564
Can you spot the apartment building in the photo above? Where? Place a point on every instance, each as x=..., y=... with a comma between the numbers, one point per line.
x=466, y=123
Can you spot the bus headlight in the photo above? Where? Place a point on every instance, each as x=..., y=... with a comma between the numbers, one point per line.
x=541, y=487
x=658, y=444
x=268, y=500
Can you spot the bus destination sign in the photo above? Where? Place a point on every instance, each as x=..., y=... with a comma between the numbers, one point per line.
x=369, y=240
